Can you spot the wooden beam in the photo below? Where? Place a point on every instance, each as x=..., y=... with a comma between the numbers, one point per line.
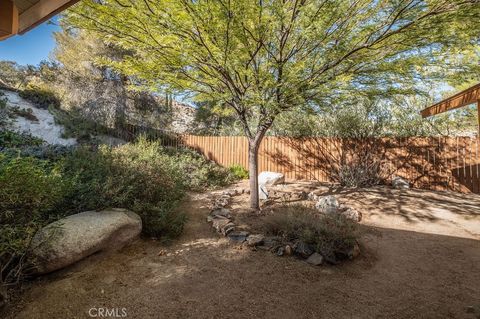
x=41, y=12
x=8, y=19
x=466, y=97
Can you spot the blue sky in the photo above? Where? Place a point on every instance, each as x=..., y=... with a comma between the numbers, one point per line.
x=30, y=48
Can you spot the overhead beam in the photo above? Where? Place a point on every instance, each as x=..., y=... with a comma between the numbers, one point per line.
x=41, y=12
x=8, y=19
x=464, y=98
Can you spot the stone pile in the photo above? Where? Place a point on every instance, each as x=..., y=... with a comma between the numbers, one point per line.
x=222, y=221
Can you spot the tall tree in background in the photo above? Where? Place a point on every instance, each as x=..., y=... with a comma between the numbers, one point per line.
x=262, y=58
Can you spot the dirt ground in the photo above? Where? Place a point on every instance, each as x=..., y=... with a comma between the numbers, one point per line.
x=422, y=261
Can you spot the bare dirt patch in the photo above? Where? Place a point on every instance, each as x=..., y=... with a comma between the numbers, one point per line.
x=424, y=262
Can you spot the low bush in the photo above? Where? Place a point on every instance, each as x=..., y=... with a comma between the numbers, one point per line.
x=331, y=235
x=136, y=176
x=359, y=165
x=75, y=125
x=4, y=113
x=41, y=97
x=29, y=190
x=40, y=184
x=238, y=171
x=199, y=172
x=10, y=139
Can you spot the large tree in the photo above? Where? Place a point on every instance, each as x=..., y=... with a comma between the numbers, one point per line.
x=264, y=57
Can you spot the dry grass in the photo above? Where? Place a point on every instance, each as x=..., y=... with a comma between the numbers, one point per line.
x=331, y=235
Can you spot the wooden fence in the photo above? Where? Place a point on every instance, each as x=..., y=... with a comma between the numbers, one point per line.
x=437, y=163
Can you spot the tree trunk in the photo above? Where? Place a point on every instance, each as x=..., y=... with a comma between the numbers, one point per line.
x=253, y=173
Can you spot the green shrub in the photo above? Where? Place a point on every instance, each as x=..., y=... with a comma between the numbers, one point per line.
x=199, y=173
x=136, y=176
x=331, y=235
x=75, y=125
x=29, y=189
x=10, y=139
x=4, y=112
x=238, y=171
x=52, y=183
x=41, y=97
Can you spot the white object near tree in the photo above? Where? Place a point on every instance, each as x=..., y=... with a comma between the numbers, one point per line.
x=268, y=179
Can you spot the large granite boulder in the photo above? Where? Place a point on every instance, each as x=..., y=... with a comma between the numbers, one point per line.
x=75, y=237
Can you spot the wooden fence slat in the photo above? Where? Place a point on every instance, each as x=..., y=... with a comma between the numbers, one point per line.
x=436, y=163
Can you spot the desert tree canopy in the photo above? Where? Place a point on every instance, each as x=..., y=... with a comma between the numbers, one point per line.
x=263, y=57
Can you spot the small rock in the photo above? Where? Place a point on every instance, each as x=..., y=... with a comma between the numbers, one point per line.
x=315, y=259
x=352, y=214
x=280, y=251
x=162, y=252
x=220, y=213
x=255, y=240
x=312, y=196
x=222, y=202
x=400, y=183
x=238, y=236
x=327, y=205
x=303, y=250
x=288, y=250
x=223, y=225
x=227, y=229
x=231, y=193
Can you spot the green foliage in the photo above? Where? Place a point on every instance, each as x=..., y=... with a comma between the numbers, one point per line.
x=199, y=172
x=29, y=190
x=238, y=171
x=10, y=139
x=28, y=186
x=260, y=59
x=75, y=125
x=12, y=74
x=40, y=184
x=330, y=234
x=4, y=113
x=141, y=176
x=41, y=97
x=137, y=176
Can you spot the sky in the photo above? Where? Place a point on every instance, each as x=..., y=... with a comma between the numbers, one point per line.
x=32, y=47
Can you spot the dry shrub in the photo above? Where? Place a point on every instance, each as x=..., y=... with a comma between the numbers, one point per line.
x=359, y=165
x=332, y=235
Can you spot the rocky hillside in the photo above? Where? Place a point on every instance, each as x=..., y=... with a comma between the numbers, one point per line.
x=24, y=117
x=151, y=112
